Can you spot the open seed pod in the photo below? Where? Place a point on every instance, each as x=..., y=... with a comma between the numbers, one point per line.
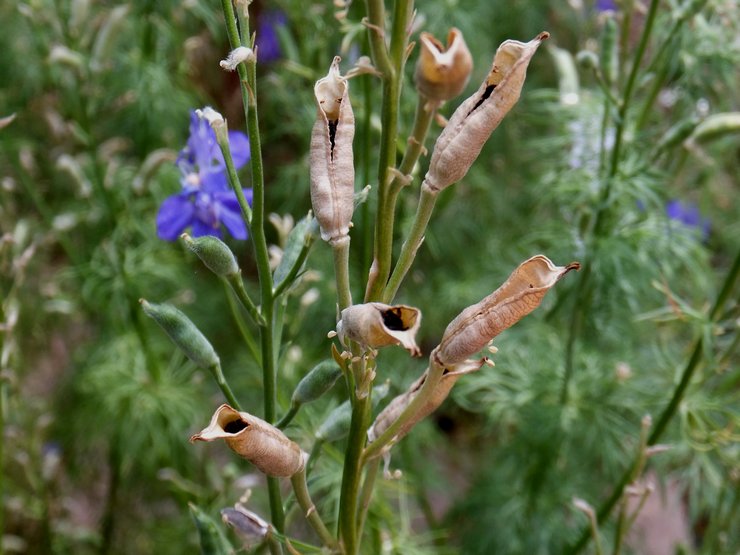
x=394, y=409
x=378, y=325
x=475, y=119
x=442, y=73
x=475, y=326
x=262, y=444
x=332, y=165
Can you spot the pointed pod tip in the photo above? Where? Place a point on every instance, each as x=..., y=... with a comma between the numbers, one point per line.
x=544, y=35
x=573, y=266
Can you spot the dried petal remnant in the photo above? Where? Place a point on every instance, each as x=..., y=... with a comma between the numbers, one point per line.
x=475, y=326
x=262, y=444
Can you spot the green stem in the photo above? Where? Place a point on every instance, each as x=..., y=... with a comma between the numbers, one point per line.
x=237, y=285
x=304, y=500
x=424, y=210
x=376, y=36
x=293, y=272
x=368, y=487
x=340, y=250
x=425, y=111
x=288, y=417
x=222, y=138
x=241, y=324
x=223, y=385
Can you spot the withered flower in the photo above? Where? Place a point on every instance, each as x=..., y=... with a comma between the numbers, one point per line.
x=475, y=326
x=262, y=444
x=332, y=166
x=378, y=325
x=442, y=73
x=475, y=119
x=394, y=409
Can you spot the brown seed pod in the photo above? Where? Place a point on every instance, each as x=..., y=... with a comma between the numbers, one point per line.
x=394, y=409
x=262, y=444
x=475, y=326
x=332, y=165
x=468, y=129
x=378, y=325
x=442, y=73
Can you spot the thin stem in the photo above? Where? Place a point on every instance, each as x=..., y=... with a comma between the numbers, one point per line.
x=425, y=111
x=424, y=210
x=240, y=323
x=303, y=497
x=293, y=272
x=288, y=417
x=222, y=138
x=223, y=385
x=340, y=250
x=376, y=36
x=237, y=285
x=368, y=487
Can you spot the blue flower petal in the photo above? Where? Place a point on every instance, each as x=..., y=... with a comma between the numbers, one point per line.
x=201, y=228
x=175, y=214
x=230, y=213
x=239, y=145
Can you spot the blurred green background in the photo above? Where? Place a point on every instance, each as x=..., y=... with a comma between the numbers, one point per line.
x=94, y=455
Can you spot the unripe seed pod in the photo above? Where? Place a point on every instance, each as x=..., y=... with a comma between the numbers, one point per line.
x=394, y=409
x=475, y=326
x=183, y=333
x=214, y=253
x=261, y=443
x=378, y=325
x=676, y=134
x=716, y=126
x=318, y=381
x=463, y=137
x=587, y=59
x=336, y=425
x=442, y=73
x=332, y=165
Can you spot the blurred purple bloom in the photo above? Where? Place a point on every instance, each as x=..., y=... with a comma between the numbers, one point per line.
x=206, y=200
x=606, y=6
x=267, y=41
x=688, y=215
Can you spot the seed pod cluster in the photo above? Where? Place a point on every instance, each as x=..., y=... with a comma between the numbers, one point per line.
x=261, y=443
x=475, y=326
x=378, y=325
x=332, y=166
x=475, y=119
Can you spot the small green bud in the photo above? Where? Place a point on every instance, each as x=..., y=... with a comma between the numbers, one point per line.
x=587, y=59
x=183, y=333
x=608, y=52
x=318, y=381
x=676, y=134
x=716, y=126
x=214, y=253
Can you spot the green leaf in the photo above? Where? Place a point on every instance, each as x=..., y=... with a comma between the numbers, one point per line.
x=212, y=539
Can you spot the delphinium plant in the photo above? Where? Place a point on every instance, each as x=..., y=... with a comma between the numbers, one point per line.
x=362, y=328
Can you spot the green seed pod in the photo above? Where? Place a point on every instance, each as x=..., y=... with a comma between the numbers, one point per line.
x=318, y=381
x=183, y=333
x=212, y=539
x=676, y=134
x=608, y=60
x=214, y=253
x=567, y=75
x=336, y=425
x=587, y=59
x=716, y=126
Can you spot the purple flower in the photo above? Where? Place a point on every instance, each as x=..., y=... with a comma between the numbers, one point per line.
x=688, y=215
x=206, y=200
x=606, y=6
x=267, y=41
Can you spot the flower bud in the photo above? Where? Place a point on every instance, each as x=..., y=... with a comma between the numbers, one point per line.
x=318, y=381
x=250, y=437
x=394, y=409
x=183, y=333
x=214, y=253
x=475, y=326
x=378, y=325
x=332, y=165
x=442, y=73
x=472, y=123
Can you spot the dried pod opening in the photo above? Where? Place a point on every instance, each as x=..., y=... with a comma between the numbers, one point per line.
x=332, y=134
x=393, y=319
x=483, y=98
x=233, y=424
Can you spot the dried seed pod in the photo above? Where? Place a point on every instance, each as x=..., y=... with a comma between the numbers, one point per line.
x=442, y=73
x=251, y=528
x=475, y=326
x=475, y=119
x=332, y=165
x=378, y=325
x=394, y=409
x=262, y=444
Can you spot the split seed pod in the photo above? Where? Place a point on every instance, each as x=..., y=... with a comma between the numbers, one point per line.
x=262, y=444
x=463, y=137
x=475, y=326
x=442, y=73
x=378, y=325
x=332, y=165
x=394, y=409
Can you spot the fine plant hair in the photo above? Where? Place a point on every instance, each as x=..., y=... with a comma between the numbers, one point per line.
x=372, y=351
